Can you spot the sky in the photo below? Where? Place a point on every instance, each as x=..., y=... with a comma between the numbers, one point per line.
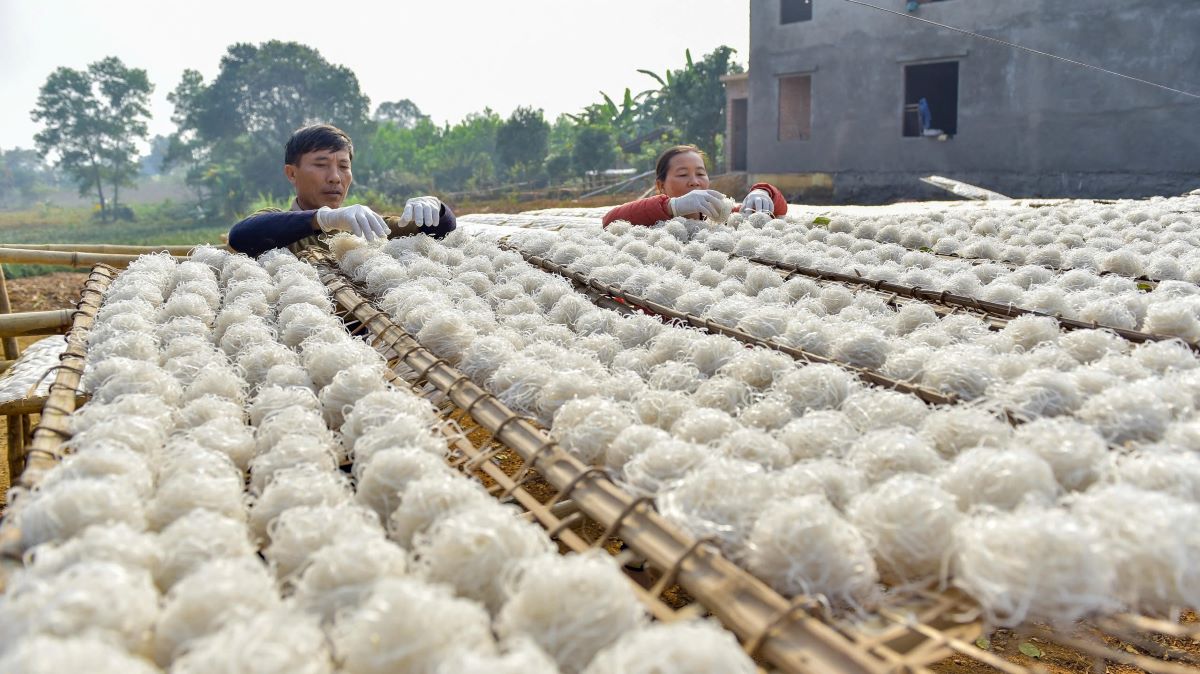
x=451, y=57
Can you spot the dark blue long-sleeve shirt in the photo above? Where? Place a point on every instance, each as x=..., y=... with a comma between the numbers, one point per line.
x=272, y=228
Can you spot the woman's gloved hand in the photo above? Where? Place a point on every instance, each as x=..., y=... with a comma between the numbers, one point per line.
x=703, y=202
x=758, y=201
x=357, y=219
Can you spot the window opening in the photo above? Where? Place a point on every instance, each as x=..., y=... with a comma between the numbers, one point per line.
x=931, y=99
x=794, y=11
x=795, y=107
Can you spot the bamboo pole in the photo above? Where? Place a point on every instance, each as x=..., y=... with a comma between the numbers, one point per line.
x=789, y=639
x=33, y=404
x=29, y=323
x=52, y=428
x=5, y=365
x=65, y=258
x=107, y=248
x=14, y=428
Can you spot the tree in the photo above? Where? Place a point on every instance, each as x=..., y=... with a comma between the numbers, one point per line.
x=522, y=142
x=239, y=123
x=692, y=99
x=403, y=113
x=465, y=153
x=594, y=149
x=92, y=120
x=23, y=177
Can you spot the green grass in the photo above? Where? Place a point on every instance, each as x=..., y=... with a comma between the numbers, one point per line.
x=154, y=224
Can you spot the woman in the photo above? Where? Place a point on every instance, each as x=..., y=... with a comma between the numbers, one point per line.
x=682, y=184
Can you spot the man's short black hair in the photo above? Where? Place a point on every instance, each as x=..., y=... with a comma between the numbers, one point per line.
x=316, y=137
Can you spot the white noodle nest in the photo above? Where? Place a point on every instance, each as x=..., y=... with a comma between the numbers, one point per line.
x=300, y=485
x=204, y=409
x=961, y=371
x=216, y=593
x=873, y=409
x=325, y=360
x=585, y=427
x=341, y=575
x=723, y=393
x=1154, y=556
x=1040, y=393
x=720, y=498
x=116, y=377
x=758, y=447
x=66, y=509
x=220, y=380
x=803, y=545
x=1075, y=452
x=135, y=405
x=661, y=465
x=183, y=492
x=298, y=532
x=908, y=521
x=144, y=435
x=196, y=538
x=521, y=656
x=406, y=625
x=572, y=607
x=348, y=387
x=954, y=429
x=887, y=452
x=272, y=400
x=448, y=335
x=276, y=641
x=470, y=550
x=386, y=476
x=117, y=543
x=403, y=431
x=132, y=345
x=826, y=433
x=1160, y=470
x=816, y=387
x=428, y=499
x=631, y=441
x=683, y=647
x=704, y=426
x=291, y=450
x=1133, y=412
x=1033, y=564
x=768, y=413
x=92, y=598
x=44, y=654
x=104, y=459
x=256, y=360
x=379, y=407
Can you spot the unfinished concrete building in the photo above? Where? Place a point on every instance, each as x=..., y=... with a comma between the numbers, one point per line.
x=830, y=108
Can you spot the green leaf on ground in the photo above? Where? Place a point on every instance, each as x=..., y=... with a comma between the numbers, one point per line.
x=1030, y=650
x=820, y=220
x=984, y=643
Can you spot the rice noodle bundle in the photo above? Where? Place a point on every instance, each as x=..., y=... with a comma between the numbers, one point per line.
x=63, y=510
x=1033, y=563
x=804, y=546
x=572, y=608
x=586, y=427
x=339, y=576
x=471, y=549
x=406, y=625
x=683, y=647
x=720, y=498
x=196, y=538
x=304, y=484
x=218, y=592
x=908, y=521
x=383, y=480
x=298, y=532
x=92, y=598
x=347, y=387
x=44, y=654
x=117, y=543
x=825, y=433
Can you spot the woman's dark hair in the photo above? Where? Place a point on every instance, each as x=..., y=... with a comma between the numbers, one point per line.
x=664, y=159
x=314, y=138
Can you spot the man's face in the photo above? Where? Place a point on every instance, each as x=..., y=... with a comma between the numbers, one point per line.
x=321, y=178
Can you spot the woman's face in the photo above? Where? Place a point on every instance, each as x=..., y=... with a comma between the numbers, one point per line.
x=685, y=172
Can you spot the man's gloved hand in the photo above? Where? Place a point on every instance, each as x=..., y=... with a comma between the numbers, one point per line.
x=758, y=201
x=357, y=219
x=423, y=211
x=704, y=202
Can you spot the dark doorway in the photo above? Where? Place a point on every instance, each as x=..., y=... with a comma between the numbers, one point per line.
x=738, y=132
x=792, y=11
x=937, y=83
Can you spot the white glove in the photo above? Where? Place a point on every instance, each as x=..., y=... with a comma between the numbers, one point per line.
x=424, y=211
x=357, y=219
x=704, y=202
x=758, y=201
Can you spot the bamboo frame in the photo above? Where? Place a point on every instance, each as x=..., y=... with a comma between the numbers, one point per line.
x=14, y=423
x=66, y=258
x=107, y=248
x=44, y=448
x=949, y=299
x=30, y=323
x=792, y=641
x=873, y=376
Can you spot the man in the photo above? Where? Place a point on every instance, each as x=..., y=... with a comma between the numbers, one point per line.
x=317, y=162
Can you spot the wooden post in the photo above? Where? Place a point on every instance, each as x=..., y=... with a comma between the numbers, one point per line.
x=14, y=423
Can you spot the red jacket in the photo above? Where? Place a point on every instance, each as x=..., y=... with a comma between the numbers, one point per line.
x=652, y=210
